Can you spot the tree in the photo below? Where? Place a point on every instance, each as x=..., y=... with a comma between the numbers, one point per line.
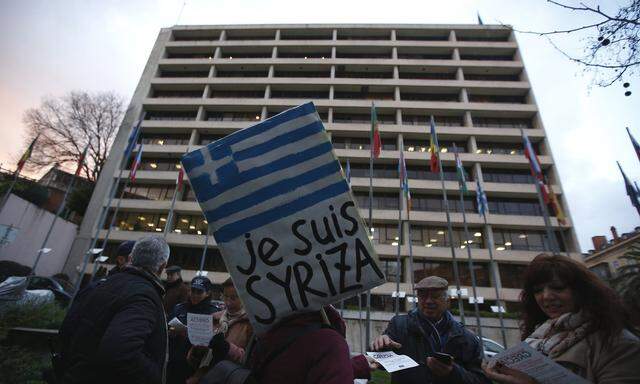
x=67, y=124
x=610, y=41
x=627, y=282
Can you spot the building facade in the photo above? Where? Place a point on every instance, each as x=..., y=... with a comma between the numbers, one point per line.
x=607, y=256
x=203, y=82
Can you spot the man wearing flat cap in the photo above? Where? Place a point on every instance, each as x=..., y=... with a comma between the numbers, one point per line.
x=428, y=334
x=176, y=290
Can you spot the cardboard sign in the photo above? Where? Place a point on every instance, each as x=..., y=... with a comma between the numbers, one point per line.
x=283, y=217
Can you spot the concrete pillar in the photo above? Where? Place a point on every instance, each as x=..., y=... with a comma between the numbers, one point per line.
x=194, y=138
x=399, y=117
x=267, y=91
x=223, y=35
x=472, y=145
x=277, y=34
x=393, y=35
x=334, y=36
x=331, y=92
x=396, y=94
x=212, y=71
x=274, y=53
x=218, y=53
x=206, y=92
x=201, y=114
x=263, y=113
x=271, y=72
x=396, y=72
x=333, y=72
x=330, y=116
x=394, y=53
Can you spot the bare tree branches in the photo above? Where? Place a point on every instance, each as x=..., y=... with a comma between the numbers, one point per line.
x=611, y=42
x=69, y=123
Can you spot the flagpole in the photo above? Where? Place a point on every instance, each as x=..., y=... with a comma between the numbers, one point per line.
x=53, y=223
x=371, y=149
x=169, y=222
x=494, y=273
x=105, y=208
x=468, y=241
x=456, y=275
x=411, y=277
x=471, y=268
x=547, y=222
x=204, y=250
x=399, y=240
x=108, y=234
x=5, y=198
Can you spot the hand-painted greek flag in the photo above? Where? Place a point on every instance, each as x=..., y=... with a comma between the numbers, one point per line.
x=247, y=180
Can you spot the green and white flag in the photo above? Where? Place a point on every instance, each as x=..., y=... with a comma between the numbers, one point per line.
x=462, y=178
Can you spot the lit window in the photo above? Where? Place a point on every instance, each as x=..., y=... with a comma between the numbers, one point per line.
x=443, y=150
x=507, y=244
x=500, y=248
x=477, y=234
x=153, y=165
x=160, y=142
x=177, y=230
x=184, y=220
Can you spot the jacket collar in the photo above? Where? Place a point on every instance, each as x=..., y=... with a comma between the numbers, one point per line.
x=153, y=279
x=455, y=329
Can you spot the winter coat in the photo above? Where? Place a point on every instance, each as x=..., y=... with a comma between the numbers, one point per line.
x=175, y=293
x=116, y=332
x=416, y=343
x=239, y=333
x=604, y=363
x=317, y=354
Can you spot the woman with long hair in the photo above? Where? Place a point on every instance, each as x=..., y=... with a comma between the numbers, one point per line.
x=574, y=318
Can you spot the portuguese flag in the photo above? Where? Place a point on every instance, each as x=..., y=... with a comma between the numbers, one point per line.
x=376, y=143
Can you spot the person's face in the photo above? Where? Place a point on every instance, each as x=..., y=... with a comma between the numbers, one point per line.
x=197, y=295
x=172, y=276
x=120, y=260
x=433, y=302
x=554, y=298
x=231, y=299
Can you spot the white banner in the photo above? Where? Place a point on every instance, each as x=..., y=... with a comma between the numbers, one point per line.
x=283, y=217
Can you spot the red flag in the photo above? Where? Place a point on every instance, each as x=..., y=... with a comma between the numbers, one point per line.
x=376, y=143
x=180, y=179
x=135, y=165
x=81, y=161
x=433, y=147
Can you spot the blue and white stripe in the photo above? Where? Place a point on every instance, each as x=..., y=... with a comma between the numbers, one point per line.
x=264, y=173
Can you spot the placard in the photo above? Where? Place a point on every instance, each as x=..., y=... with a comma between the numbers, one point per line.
x=283, y=217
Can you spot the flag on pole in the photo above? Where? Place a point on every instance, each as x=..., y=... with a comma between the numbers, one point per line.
x=376, y=143
x=135, y=165
x=347, y=172
x=180, y=179
x=462, y=179
x=434, y=147
x=534, y=165
x=635, y=144
x=133, y=139
x=632, y=192
x=81, y=160
x=481, y=199
x=404, y=180
x=26, y=155
x=556, y=207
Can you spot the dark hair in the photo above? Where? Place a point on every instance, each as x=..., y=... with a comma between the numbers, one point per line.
x=600, y=304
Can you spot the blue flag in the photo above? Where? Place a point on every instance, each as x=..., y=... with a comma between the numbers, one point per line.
x=481, y=199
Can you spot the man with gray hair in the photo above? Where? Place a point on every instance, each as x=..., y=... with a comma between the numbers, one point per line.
x=115, y=330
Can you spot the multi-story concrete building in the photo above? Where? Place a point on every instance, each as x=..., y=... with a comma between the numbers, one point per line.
x=203, y=82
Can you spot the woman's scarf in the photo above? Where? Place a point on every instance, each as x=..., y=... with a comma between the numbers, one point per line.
x=555, y=336
x=228, y=319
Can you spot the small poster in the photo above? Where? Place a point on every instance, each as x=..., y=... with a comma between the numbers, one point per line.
x=391, y=361
x=526, y=359
x=199, y=328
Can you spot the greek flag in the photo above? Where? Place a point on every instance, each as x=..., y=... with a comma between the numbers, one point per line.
x=264, y=173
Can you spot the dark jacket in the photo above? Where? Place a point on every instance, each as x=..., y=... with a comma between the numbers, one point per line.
x=116, y=269
x=419, y=343
x=115, y=331
x=175, y=293
x=315, y=355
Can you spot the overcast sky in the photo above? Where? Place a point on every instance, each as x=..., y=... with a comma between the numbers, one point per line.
x=52, y=47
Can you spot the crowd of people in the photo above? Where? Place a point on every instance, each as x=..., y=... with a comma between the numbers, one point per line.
x=117, y=331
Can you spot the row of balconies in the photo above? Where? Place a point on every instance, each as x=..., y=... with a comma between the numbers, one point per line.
x=369, y=33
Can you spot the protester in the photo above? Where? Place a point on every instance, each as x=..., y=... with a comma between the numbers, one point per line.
x=234, y=324
x=122, y=255
x=571, y=316
x=199, y=302
x=177, y=291
x=428, y=329
x=115, y=330
x=302, y=349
